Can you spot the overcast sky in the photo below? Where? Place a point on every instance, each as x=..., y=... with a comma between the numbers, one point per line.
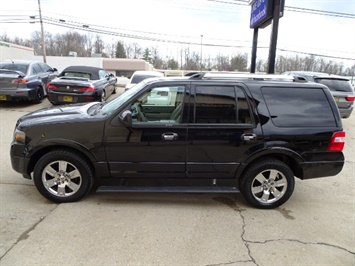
x=221, y=22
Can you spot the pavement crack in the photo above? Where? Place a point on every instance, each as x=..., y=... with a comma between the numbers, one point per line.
x=301, y=242
x=229, y=263
x=26, y=233
x=233, y=205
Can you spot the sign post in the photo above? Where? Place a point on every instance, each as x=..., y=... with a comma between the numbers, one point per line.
x=262, y=13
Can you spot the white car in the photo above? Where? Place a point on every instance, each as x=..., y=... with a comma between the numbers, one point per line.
x=138, y=76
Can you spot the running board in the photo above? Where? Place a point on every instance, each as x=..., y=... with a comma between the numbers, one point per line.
x=214, y=189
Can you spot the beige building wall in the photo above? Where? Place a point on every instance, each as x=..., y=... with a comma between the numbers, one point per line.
x=121, y=67
x=14, y=51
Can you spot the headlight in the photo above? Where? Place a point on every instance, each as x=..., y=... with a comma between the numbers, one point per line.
x=19, y=136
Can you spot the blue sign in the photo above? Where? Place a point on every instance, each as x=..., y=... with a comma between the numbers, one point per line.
x=261, y=12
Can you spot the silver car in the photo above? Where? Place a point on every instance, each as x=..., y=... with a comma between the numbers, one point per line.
x=340, y=87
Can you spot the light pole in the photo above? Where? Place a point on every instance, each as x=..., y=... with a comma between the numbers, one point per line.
x=201, y=54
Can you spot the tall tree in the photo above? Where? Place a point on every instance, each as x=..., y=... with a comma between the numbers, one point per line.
x=120, y=50
x=147, y=56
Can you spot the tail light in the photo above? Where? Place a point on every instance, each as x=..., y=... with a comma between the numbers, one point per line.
x=51, y=87
x=19, y=81
x=337, y=142
x=350, y=98
x=87, y=89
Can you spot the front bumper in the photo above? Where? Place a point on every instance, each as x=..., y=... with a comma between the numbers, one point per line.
x=19, y=161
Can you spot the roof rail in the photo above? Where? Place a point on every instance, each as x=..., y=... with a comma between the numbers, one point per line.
x=248, y=76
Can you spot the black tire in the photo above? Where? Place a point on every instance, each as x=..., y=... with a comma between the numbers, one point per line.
x=63, y=176
x=267, y=184
x=39, y=96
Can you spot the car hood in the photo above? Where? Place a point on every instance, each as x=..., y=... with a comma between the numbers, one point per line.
x=63, y=113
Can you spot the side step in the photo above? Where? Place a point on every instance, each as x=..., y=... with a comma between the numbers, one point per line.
x=214, y=189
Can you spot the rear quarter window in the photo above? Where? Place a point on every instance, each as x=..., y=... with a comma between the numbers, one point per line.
x=298, y=107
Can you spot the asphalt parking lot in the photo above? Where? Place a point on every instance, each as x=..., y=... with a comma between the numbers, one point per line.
x=315, y=227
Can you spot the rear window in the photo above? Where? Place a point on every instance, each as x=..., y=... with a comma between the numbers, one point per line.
x=335, y=84
x=298, y=107
x=16, y=67
x=77, y=75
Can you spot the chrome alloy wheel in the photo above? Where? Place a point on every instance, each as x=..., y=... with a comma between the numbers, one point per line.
x=269, y=186
x=61, y=178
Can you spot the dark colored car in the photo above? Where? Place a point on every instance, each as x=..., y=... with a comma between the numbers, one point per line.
x=78, y=84
x=204, y=133
x=22, y=80
x=340, y=87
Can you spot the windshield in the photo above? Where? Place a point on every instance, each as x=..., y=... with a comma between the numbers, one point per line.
x=116, y=103
x=336, y=84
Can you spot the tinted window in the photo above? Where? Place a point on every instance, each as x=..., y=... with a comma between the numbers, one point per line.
x=45, y=67
x=298, y=107
x=215, y=104
x=17, y=67
x=335, y=84
x=36, y=69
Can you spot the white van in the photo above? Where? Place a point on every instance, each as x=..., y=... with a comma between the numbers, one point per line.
x=138, y=76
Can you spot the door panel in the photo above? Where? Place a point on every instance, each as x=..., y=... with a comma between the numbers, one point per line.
x=155, y=145
x=216, y=142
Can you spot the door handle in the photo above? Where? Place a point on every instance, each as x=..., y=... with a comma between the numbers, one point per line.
x=169, y=136
x=248, y=137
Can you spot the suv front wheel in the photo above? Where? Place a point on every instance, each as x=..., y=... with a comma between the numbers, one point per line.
x=63, y=176
x=267, y=184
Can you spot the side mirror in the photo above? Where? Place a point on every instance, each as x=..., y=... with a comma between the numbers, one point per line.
x=126, y=118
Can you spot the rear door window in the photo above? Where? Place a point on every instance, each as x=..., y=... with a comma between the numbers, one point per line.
x=298, y=107
x=221, y=105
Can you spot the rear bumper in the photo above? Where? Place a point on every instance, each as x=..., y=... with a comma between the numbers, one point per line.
x=56, y=98
x=345, y=113
x=321, y=169
x=23, y=94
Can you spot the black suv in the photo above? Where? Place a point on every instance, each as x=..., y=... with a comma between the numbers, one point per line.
x=208, y=133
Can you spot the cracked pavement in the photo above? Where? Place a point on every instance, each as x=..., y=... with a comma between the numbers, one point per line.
x=315, y=227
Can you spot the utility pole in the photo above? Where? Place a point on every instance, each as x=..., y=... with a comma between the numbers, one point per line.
x=43, y=43
x=201, y=54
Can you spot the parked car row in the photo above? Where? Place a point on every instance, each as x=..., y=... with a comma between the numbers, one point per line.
x=22, y=80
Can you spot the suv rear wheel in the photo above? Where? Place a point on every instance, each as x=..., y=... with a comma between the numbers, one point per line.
x=63, y=176
x=268, y=184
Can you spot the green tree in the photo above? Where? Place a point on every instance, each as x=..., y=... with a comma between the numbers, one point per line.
x=147, y=56
x=173, y=64
x=120, y=50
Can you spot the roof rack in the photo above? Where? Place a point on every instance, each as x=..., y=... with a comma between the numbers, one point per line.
x=271, y=77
